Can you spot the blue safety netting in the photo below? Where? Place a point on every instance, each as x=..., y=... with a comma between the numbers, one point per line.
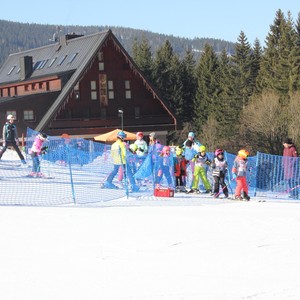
x=74, y=172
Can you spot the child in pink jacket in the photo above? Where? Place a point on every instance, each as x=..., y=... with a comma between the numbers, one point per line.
x=36, y=150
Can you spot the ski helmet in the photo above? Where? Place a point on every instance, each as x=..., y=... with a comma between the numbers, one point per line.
x=165, y=149
x=178, y=150
x=202, y=148
x=139, y=134
x=10, y=117
x=121, y=135
x=191, y=134
x=219, y=151
x=243, y=153
x=43, y=136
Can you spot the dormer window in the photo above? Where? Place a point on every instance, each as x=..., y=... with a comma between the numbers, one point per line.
x=61, y=60
x=10, y=71
x=52, y=61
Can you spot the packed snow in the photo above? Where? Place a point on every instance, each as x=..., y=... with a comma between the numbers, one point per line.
x=187, y=247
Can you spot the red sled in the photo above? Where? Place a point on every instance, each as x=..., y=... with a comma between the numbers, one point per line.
x=163, y=192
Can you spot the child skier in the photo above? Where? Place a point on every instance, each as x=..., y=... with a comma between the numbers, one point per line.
x=118, y=153
x=189, y=153
x=142, y=150
x=36, y=150
x=239, y=170
x=164, y=167
x=201, y=161
x=219, y=166
x=180, y=170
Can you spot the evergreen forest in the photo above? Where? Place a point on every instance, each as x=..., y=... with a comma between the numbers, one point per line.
x=249, y=99
x=232, y=95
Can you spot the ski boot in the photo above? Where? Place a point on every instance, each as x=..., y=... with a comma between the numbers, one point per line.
x=246, y=197
x=109, y=185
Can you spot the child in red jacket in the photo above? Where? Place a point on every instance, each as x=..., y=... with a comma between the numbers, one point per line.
x=239, y=170
x=180, y=170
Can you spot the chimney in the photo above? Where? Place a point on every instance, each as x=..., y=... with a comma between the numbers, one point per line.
x=25, y=67
x=63, y=40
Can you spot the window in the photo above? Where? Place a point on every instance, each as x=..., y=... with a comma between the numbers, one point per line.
x=127, y=89
x=52, y=62
x=72, y=58
x=28, y=115
x=137, y=112
x=111, y=93
x=101, y=66
x=100, y=56
x=12, y=112
x=61, y=60
x=10, y=71
x=94, y=95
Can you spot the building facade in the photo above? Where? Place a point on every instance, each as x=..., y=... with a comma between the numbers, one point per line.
x=83, y=86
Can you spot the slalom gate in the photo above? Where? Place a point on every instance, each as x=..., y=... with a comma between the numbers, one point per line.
x=74, y=172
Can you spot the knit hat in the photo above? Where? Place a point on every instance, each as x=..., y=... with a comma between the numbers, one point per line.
x=287, y=141
x=152, y=134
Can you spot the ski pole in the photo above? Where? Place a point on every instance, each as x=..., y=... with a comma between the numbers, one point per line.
x=216, y=196
x=287, y=191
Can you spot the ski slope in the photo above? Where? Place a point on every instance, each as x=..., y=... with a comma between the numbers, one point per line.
x=188, y=247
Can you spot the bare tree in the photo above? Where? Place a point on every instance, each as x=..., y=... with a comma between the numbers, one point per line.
x=264, y=123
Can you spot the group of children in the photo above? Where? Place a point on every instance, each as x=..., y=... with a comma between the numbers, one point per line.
x=191, y=153
x=190, y=157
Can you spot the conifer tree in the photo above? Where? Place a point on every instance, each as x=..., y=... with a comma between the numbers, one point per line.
x=207, y=86
x=278, y=62
x=162, y=71
x=227, y=115
x=295, y=59
x=142, y=56
x=256, y=61
x=188, y=80
x=242, y=71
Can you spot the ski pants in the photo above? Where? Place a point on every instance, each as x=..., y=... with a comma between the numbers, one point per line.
x=15, y=146
x=165, y=170
x=35, y=162
x=220, y=180
x=241, y=184
x=200, y=173
x=126, y=171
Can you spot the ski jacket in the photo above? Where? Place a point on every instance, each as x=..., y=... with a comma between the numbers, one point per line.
x=118, y=153
x=201, y=161
x=142, y=150
x=289, y=161
x=240, y=167
x=189, y=153
x=180, y=166
x=37, y=145
x=10, y=132
x=219, y=166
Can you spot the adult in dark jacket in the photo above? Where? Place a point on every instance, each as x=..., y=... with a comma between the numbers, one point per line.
x=289, y=162
x=10, y=137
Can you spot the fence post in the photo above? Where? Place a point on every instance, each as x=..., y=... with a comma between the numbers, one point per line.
x=256, y=167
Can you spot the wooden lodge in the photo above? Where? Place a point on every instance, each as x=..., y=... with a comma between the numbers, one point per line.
x=83, y=86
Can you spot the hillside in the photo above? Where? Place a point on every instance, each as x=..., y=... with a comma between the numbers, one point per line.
x=16, y=37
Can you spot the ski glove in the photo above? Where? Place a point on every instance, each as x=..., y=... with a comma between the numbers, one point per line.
x=233, y=175
x=44, y=150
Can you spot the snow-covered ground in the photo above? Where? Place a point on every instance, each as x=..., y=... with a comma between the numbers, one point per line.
x=232, y=250
x=187, y=247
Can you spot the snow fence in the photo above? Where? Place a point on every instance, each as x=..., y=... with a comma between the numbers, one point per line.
x=74, y=171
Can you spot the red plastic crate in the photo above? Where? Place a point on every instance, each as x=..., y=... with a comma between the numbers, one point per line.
x=164, y=192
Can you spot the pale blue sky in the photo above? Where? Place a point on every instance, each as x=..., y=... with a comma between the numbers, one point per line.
x=191, y=18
